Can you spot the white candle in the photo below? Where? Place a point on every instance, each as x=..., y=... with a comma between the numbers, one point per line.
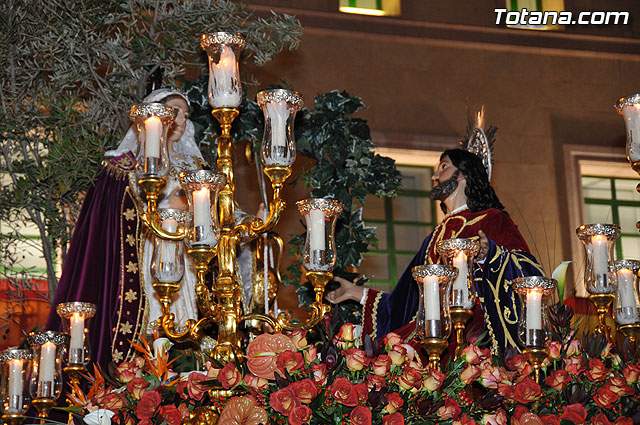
x=534, y=312
x=460, y=262
x=168, y=247
x=47, y=364
x=15, y=385
x=431, y=299
x=153, y=133
x=224, y=80
x=633, y=131
x=316, y=224
x=77, y=332
x=626, y=291
x=202, y=207
x=600, y=255
x=279, y=113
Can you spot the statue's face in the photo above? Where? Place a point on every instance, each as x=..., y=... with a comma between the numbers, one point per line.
x=445, y=180
x=177, y=128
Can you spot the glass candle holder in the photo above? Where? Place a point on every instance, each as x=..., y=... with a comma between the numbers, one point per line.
x=599, y=240
x=152, y=122
x=533, y=291
x=626, y=308
x=224, y=50
x=319, y=246
x=278, y=143
x=202, y=187
x=460, y=253
x=47, y=348
x=167, y=261
x=629, y=108
x=75, y=321
x=434, y=283
x=15, y=368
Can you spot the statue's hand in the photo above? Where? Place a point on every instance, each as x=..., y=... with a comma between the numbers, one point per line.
x=346, y=291
x=484, y=245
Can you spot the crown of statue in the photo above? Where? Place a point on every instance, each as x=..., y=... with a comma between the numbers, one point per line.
x=479, y=141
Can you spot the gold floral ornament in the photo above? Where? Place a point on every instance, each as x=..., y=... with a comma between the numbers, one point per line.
x=242, y=411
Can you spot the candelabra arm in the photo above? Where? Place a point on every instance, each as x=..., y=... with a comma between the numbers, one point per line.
x=263, y=318
x=191, y=332
x=152, y=222
x=225, y=117
x=602, y=302
x=319, y=280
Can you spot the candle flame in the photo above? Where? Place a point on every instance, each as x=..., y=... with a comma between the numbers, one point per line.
x=461, y=256
x=227, y=59
x=598, y=239
x=152, y=120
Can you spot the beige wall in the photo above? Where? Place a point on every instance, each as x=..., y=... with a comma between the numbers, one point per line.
x=543, y=91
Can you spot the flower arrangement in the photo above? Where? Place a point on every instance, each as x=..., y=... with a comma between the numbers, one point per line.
x=286, y=380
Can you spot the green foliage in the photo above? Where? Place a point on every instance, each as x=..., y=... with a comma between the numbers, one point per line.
x=69, y=72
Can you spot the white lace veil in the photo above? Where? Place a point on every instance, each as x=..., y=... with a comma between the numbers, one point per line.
x=186, y=146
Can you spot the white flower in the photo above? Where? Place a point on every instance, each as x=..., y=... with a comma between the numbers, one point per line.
x=161, y=344
x=99, y=417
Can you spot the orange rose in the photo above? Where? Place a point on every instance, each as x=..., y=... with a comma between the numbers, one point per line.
x=470, y=374
x=310, y=353
x=433, y=381
x=411, y=352
x=126, y=371
x=558, y=379
x=605, y=398
x=505, y=391
x=319, y=374
x=381, y=365
x=255, y=382
x=148, y=404
x=344, y=393
x=375, y=382
x=491, y=375
x=300, y=415
x=597, y=370
x=284, y=401
x=397, y=354
x=451, y=409
x=618, y=385
x=575, y=348
x=526, y=390
x=346, y=332
x=356, y=359
x=290, y=361
x=299, y=338
x=195, y=386
x=393, y=419
x=574, y=365
x=410, y=378
x=394, y=402
x=171, y=414
x=305, y=390
x=496, y=418
x=554, y=349
x=600, y=419
x=229, y=376
x=391, y=339
x=631, y=373
x=361, y=415
x=522, y=366
x=113, y=402
x=136, y=387
x=472, y=354
x=464, y=420
x=575, y=413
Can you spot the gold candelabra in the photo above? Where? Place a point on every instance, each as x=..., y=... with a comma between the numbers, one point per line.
x=602, y=302
x=536, y=356
x=459, y=317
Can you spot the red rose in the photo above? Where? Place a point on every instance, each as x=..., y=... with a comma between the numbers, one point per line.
x=605, y=397
x=465, y=420
x=410, y=378
x=284, y=401
x=505, y=391
x=470, y=374
x=171, y=414
x=310, y=353
x=597, y=370
x=490, y=376
x=558, y=379
x=472, y=354
x=550, y=420
x=195, y=386
x=113, y=402
x=362, y=390
x=631, y=373
x=574, y=365
x=356, y=359
x=397, y=354
x=600, y=419
x=375, y=382
x=229, y=376
x=623, y=421
x=498, y=417
x=255, y=382
x=305, y=390
x=344, y=392
x=519, y=411
x=618, y=385
x=394, y=403
x=554, y=351
x=393, y=419
x=148, y=404
x=319, y=373
x=451, y=409
x=137, y=386
x=127, y=371
x=299, y=338
x=381, y=365
x=433, y=381
x=526, y=390
x=391, y=339
x=346, y=332
x=575, y=413
x=300, y=415
x=290, y=361
x=361, y=415
x=181, y=389
x=521, y=365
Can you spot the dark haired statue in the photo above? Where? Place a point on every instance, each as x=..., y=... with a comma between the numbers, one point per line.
x=461, y=184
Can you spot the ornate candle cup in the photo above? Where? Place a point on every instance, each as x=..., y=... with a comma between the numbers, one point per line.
x=533, y=331
x=433, y=321
x=167, y=261
x=599, y=240
x=75, y=321
x=278, y=144
x=152, y=121
x=629, y=108
x=319, y=247
x=15, y=368
x=224, y=50
x=202, y=187
x=45, y=385
x=626, y=308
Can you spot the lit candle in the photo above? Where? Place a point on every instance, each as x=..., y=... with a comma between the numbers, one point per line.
x=600, y=255
x=15, y=386
x=169, y=248
x=633, y=131
x=279, y=113
x=626, y=291
x=47, y=368
x=534, y=314
x=77, y=332
x=317, y=231
x=431, y=299
x=460, y=284
x=202, y=207
x=153, y=133
x=224, y=80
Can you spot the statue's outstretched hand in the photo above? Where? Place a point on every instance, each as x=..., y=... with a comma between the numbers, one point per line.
x=346, y=291
x=484, y=246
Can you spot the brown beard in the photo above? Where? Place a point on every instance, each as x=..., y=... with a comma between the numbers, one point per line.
x=444, y=189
